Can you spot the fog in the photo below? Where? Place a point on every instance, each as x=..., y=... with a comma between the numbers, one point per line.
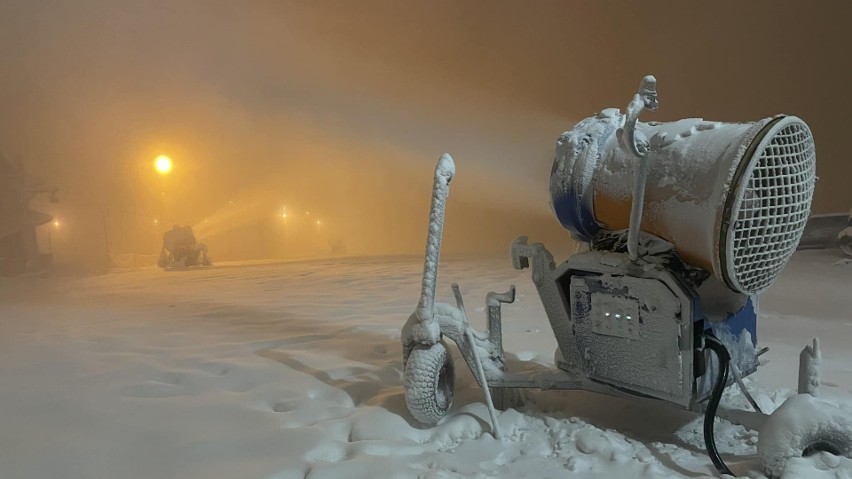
x=335, y=113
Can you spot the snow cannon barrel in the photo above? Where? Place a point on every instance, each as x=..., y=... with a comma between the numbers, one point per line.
x=732, y=197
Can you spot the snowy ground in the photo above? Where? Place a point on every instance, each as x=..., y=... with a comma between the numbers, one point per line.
x=293, y=370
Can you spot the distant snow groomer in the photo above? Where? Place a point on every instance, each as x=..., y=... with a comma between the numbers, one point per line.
x=180, y=249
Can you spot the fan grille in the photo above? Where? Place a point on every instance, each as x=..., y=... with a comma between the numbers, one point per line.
x=774, y=207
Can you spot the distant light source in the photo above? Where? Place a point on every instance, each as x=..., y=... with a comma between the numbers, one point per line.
x=156, y=220
x=56, y=223
x=283, y=215
x=318, y=221
x=163, y=164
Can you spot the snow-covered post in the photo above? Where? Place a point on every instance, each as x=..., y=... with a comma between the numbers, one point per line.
x=427, y=331
x=809, y=364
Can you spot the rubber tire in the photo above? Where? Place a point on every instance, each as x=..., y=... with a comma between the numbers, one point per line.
x=802, y=423
x=429, y=380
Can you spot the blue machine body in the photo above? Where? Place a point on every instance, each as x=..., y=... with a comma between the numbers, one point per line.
x=577, y=155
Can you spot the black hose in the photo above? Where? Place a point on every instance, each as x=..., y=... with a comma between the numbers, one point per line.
x=713, y=343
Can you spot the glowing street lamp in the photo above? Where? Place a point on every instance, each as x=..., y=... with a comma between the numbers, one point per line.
x=163, y=165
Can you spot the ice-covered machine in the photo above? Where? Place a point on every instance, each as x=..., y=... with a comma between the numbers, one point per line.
x=686, y=223
x=180, y=249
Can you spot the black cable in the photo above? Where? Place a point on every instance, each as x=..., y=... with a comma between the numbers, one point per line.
x=713, y=343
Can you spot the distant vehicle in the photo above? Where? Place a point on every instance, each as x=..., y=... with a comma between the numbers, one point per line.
x=181, y=250
x=828, y=231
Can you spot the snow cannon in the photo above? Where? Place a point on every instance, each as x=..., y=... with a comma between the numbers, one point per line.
x=733, y=198
x=686, y=223
x=180, y=250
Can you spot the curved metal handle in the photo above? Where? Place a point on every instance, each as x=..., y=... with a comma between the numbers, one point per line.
x=637, y=145
x=646, y=98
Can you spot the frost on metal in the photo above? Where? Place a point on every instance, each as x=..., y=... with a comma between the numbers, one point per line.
x=733, y=197
x=427, y=332
x=637, y=144
x=429, y=372
x=810, y=361
x=687, y=222
x=802, y=426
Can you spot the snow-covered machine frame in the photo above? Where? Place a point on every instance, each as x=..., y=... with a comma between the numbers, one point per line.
x=666, y=309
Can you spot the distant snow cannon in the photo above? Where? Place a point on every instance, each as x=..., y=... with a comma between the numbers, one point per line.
x=181, y=250
x=686, y=223
x=733, y=198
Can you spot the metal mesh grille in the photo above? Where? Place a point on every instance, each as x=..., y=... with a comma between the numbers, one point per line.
x=774, y=208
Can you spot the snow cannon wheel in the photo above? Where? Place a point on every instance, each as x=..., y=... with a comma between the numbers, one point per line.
x=803, y=426
x=429, y=381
